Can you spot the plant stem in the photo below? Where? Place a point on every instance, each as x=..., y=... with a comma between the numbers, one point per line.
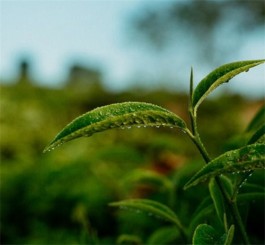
x=195, y=137
x=197, y=141
x=234, y=210
x=239, y=222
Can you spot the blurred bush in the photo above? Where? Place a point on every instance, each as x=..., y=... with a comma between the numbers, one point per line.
x=62, y=197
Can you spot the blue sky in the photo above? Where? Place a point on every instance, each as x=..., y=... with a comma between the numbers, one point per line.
x=54, y=34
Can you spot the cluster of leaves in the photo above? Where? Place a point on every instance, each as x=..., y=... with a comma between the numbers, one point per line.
x=223, y=185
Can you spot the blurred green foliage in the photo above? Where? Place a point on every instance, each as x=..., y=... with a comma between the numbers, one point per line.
x=62, y=197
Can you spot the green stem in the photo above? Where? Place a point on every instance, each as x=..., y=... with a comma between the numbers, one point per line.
x=194, y=136
x=234, y=210
x=239, y=222
x=197, y=141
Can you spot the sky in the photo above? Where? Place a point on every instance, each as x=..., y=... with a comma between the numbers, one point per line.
x=55, y=34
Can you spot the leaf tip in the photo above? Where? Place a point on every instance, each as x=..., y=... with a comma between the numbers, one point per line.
x=187, y=186
x=47, y=149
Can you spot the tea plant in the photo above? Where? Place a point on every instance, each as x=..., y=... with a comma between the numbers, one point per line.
x=225, y=173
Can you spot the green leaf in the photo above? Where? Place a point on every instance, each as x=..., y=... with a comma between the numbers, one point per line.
x=153, y=208
x=149, y=177
x=239, y=182
x=220, y=75
x=227, y=184
x=206, y=202
x=249, y=187
x=217, y=198
x=258, y=120
x=230, y=235
x=204, y=214
x=165, y=235
x=129, y=239
x=247, y=158
x=120, y=115
x=205, y=234
x=258, y=136
x=252, y=196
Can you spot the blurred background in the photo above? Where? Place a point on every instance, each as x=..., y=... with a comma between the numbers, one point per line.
x=59, y=59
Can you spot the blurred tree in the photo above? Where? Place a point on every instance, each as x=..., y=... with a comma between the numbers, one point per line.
x=214, y=28
x=24, y=72
x=82, y=77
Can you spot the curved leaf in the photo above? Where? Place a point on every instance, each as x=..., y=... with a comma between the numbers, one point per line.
x=129, y=239
x=218, y=200
x=220, y=75
x=258, y=136
x=205, y=234
x=258, y=120
x=230, y=235
x=252, y=196
x=249, y=187
x=227, y=184
x=153, y=208
x=203, y=215
x=244, y=159
x=239, y=182
x=165, y=235
x=149, y=177
x=120, y=115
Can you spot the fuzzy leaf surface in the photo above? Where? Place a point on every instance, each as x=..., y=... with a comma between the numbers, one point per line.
x=151, y=207
x=247, y=158
x=219, y=76
x=120, y=115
